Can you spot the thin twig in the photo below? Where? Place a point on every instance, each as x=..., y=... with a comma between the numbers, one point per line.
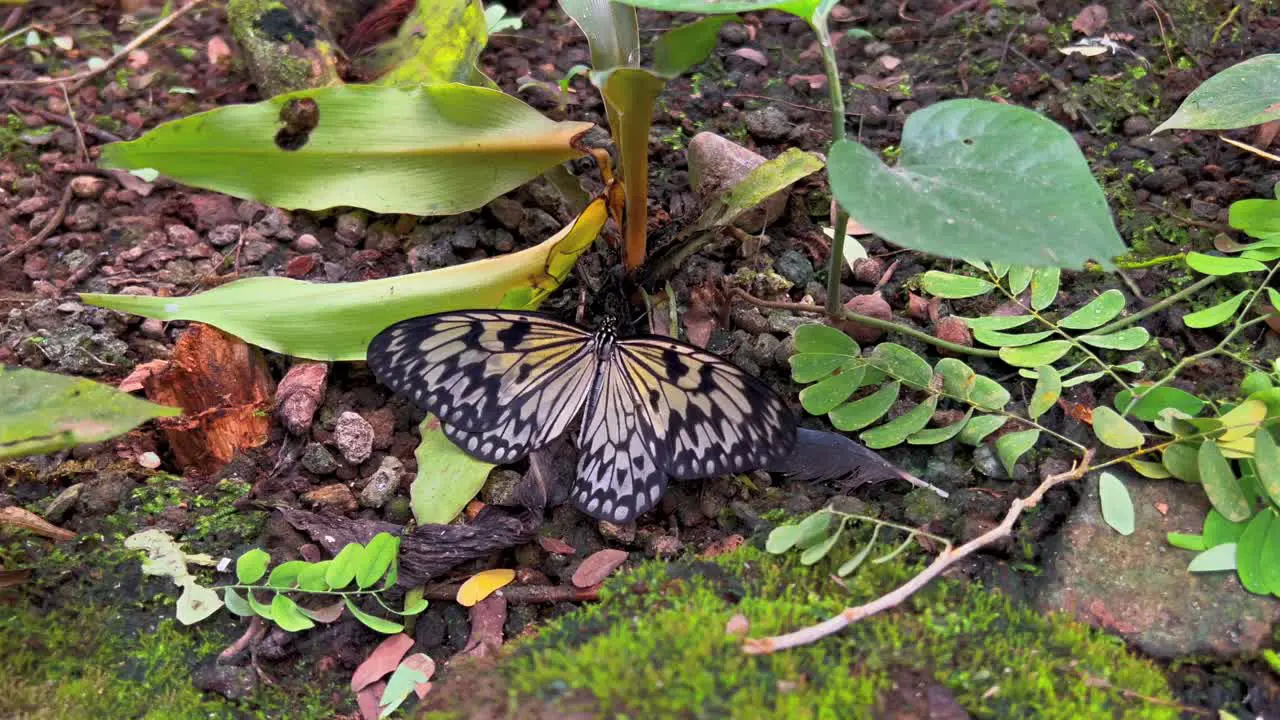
x=848, y=616
x=1125, y=322
x=789, y=104
x=523, y=594
x=71, y=120
x=80, y=78
x=252, y=634
x=58, y=216
x=1103, y=683
x=97, y=133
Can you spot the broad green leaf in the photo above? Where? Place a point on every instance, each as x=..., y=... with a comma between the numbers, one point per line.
x=958, y=379
x=898, y=429
x=765, y=180
x=814, y=553
x=336, y=321
x=311, y=577
x=630, y=95
x=824, y=396
x=432, y=150
x=1130, y=338
x=980, y=427
x=1218, y=530
x=1113, y=430
x=808, y=367
x=856, y=561
x=953, y=287
x=251, y=566
x=1270, y=560
x=813, y=529
x=1011, y=446
x=1257, y=217
x=285, y=575
x=903, y=364
x=1146, y=468
x=373, y=622
x=286, y=614
x=1215, y=559
x=813, y=11
x=342, y=570
x=1019, y=278
x=1215, y=315
x=196, y=603
x=399, y=686
x=236, y=603
x=447, y=478
x=1044, y=286
x=376, y=559
x=1267, y=460
x=259, y=609
x=1221, y=485
x=824, y=339
x=933, y=436
x=997, y=322
x=1100, y=311
x=1255, y=381
x=1181, y=460
x=1081, y=379
x=439, y=42
x=1048, y=390
x=1045, y=353
x=1214, y=265
x=1264, y=254
x=988, y=394
x=1117, y=506
x=1152, y=402
x=42, y=412
x=1183, y=541
x=677, y=50
x=1242, y=95
x=983, y=181
x=782, y=539
x=1251, y=552
x=864, y=411
x=995, y=338
x=611, y=29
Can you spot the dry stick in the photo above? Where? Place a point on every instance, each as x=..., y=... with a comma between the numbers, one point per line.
x=80, y=78
x=71, y=120
x=252, y=634
x=19, y=107
x=58, y=216
x=848, y=616
x=1124, y=322
x=523, y=594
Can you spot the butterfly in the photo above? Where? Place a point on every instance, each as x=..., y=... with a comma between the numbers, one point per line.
x=504, y=383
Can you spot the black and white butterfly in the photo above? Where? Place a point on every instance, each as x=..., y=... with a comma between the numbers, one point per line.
x=504, y=383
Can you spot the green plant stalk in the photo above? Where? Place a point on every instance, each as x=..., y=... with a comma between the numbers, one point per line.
x=1150, y=262
x=1125, y=322
x=836, y=262
x=885, y=523
x=268, y=588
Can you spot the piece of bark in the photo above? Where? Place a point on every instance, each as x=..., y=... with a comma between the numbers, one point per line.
x=222, y=385
x=283, y=47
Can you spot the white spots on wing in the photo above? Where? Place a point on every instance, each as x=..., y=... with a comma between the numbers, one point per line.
x=591, y=506
x=621, y=514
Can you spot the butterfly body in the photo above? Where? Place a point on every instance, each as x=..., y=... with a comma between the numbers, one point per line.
x=504, y=383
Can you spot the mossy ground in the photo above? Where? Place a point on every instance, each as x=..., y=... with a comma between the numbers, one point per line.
x=656, y=646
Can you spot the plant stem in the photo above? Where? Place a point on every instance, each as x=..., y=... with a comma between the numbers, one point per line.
x=1150, y=262
x=1124, y=322
x=835, y=263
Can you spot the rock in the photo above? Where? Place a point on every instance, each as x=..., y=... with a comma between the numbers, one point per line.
x=76, y=349
x=83, y=218
x=65, y=500
x=224, y=235
x=299, y=394
x=383, y=483
x=734, y=33
x=764, y=350
x=662, y=546
x=987, y=464
x=716, y=164
x=350, y=228
x=317, y=459
x=87, y=186
x=102, y=495
x=507, y=212
x=953, y=330
x=872, y=305
x=500, y=488
x=1138, y=125
x=306, y=243
x=794, y=266
x=1138, y=586
x=624, y=534
x=336, y=496
x=1165, y=180
x=181, y=236
x=230, y=681
x=768, y=123
x=354, y=437
x=274, y=224
x=538, y=225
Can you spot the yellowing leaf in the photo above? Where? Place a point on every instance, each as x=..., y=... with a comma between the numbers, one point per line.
x=483, y=584
x=1243, y=420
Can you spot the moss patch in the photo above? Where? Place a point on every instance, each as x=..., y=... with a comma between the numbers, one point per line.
x=655, y=646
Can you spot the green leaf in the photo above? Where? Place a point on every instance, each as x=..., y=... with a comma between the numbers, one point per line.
x=1257, y=217
x=1048, y=390
x=813, y=528
x=611, y=29
x=439, y=42
x=311, y=577
x=1220, y=483
x=373, y=622
x=336, y=321
x=1181, y=460
x=953, y=287
x=1151, y=402
x=807, y=367
x=258, y=608
x=1130, y=338
x=1044, y=286
x=343, y=568
x=1019, y=278
x=677, y=50
x=980, y=427
x=814, y=553
x=824, y=339
x=1251, y=553
x=1011, y=446
x=958, y=379
x=196, y=603
x=1215, y=315
x=903, y=364
x=251, y=566
x=430, y=150
x=1184, y=541
x=782, y=539
x=236, y=603
x=1100, y=311
x=414, y=604
x=1113, y=430
x=43, y=412
x=812, y=11
x=1214, y=265
x=988, y=394
x=1256, y=381
x=995, y=338
x=1133, y=366
x=1215, y=559
x=764, y=181
x=984, y=181
x=1270, y=560
x=896, y=430
x=826, y=395
x=376, y=559
x=933, y=436
x=1117, y=506
x=447, y=478
x=856, y=561
x=1148, y=469
x=1045, y=353
x=286, y=614
x=1219, y=530
x=1240, y=96
x=864, y=411
x=1267, y=460
x=997, y=322
x=285, y=575
x=1081, y=379
x=399, y=686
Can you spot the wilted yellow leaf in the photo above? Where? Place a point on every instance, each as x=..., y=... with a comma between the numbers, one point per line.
x=482, y=585
x=1242, y=421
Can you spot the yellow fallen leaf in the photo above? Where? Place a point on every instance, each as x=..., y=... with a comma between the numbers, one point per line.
x=482, y=585
x=1242, y=421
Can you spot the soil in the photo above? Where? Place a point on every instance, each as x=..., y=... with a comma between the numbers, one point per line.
x=119, y=234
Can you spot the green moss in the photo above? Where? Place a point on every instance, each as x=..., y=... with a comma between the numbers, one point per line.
x=655, y=646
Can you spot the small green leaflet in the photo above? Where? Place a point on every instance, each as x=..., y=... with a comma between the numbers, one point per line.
x=1117, y=506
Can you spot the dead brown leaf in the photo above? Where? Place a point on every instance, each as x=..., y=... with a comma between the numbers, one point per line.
x=700, y=318
x=753, y=55
x=425, y=665
x=1266, y=134
x=17, y=517
x=555, y=545
x=217, y=50
x=384, y=659
x=1090, y=20
x=367, y=700
x=815, y=82
x=597, y=567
